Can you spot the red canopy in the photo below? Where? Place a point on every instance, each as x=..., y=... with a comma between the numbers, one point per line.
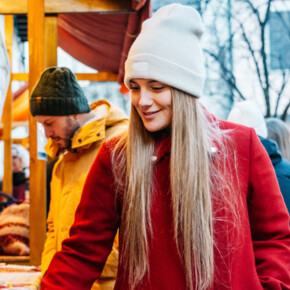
x=102, y=40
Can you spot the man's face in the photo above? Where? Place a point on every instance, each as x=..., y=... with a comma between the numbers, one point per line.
x=59, y=128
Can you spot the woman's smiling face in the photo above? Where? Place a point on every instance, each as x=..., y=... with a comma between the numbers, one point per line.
x=153, y=102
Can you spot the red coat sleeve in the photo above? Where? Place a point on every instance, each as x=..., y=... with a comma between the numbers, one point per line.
x=84, y=253
x=269, y=221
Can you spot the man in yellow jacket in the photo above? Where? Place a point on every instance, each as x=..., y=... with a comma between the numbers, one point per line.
x=75, y=132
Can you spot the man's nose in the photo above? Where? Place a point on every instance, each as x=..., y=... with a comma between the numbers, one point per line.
x=48, y=132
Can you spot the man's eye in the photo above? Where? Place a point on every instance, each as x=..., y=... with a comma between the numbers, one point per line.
x=134, y=88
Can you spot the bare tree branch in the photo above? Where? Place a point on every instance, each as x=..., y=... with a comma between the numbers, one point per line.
x=285, y=80
x=227, y=75
x=241, y=37
x=252, y=52
x=284, y=114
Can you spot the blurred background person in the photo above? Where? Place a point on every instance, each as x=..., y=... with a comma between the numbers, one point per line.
x=280, y=133
x=20, y=171
x=247, y=113
x=20, y=168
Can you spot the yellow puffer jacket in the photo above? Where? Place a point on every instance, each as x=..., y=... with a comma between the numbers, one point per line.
x=68, y=178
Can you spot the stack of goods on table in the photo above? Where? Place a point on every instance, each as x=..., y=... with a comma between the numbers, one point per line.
x=14, y=230
x=19, y=277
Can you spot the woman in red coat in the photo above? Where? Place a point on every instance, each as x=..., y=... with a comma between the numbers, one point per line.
x=195, y=199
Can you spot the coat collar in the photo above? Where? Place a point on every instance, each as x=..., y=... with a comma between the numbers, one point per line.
x=162, y=148
x=163, y=143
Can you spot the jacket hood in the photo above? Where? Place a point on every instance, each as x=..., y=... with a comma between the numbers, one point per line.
x=272, y=149
x=105, y=115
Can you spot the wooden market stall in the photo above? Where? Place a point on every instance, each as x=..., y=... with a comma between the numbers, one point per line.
x=51, y=24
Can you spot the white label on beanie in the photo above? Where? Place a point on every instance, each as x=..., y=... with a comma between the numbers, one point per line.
x=140, y=68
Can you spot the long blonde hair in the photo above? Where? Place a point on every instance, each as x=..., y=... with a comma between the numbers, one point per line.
x=194, y=137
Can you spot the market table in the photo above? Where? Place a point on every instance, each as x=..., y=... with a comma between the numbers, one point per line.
x=19, y=277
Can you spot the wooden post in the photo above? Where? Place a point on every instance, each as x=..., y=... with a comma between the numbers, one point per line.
x=37, y=167
x=7, y=113
x=51, y=40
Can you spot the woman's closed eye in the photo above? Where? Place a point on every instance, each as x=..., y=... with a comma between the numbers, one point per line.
x=134, y=88
x=158, y=88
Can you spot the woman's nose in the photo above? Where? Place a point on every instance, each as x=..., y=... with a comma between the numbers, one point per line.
x=145, y=98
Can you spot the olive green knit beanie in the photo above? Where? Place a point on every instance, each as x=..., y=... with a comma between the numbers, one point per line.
x=58, y=93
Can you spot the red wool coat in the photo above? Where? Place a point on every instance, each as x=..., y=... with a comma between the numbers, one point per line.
x=255, y=255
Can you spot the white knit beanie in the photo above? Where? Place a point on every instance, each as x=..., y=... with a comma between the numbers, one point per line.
x=168, y=50
x=248, y=114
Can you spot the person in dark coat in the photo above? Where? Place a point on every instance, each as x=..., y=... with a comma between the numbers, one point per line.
x=281, y=166
x=248, y=113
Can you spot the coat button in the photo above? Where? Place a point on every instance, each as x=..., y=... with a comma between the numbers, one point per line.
x=99, y=134
x=79, y=140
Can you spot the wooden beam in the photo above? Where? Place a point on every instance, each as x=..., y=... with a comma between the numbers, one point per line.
x=97, y=77
x=15, y=124
x=7, y=114
x=51, y=40
x=94, y=77
x=67, y=6
x=19, y=77
x=37, y=167
x=77, y=6
x=13, y=7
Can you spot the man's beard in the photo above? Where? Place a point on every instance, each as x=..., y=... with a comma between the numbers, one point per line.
x=72, y=127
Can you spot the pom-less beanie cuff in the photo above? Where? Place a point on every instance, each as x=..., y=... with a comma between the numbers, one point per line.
x=58, y=93
x=149, y=66
x=58, y=107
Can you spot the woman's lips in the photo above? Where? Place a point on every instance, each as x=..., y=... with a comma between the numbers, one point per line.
x=150, y=115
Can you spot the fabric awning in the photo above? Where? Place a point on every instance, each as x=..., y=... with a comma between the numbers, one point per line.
x=102, y=40
x=20, y=105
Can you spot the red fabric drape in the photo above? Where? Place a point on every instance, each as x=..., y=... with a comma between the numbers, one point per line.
x=134, y=24
x=102, y=41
